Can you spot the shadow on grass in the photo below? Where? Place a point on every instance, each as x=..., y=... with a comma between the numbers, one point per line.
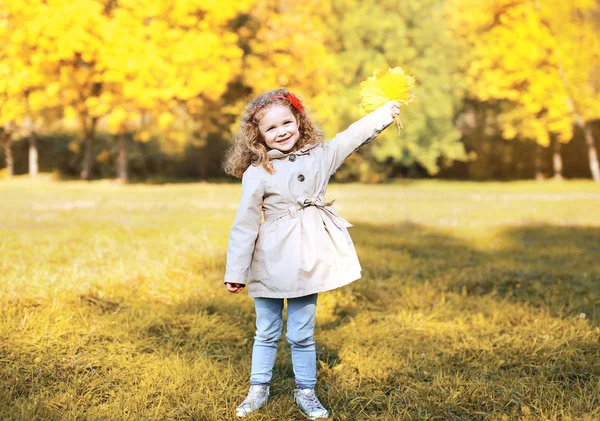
x=440, y=327
x=555, y=267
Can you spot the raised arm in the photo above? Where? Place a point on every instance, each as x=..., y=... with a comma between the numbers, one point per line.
x=244, y=231
x=358, y=134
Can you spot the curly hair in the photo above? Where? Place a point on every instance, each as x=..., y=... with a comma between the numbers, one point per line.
x=248, y=146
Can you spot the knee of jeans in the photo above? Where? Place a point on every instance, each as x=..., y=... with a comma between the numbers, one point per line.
x=269, y=333
x=300, y=339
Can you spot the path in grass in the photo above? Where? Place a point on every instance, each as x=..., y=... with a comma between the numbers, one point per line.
x=478, y=301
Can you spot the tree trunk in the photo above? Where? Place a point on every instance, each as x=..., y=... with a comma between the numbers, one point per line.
x=589, y=138
x=539, y=175
x=10, y=167
x=88, y=158
x=557, y=162
x=33, y=155
x=142, y=148
x=592, y=153
x=122, y=162
x=203, y=161
x=89, y=132
x=143, y=158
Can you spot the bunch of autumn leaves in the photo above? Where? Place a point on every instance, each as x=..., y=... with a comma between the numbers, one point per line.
x=386, y=85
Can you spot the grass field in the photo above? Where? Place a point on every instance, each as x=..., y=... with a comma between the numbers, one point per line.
x=479, y=301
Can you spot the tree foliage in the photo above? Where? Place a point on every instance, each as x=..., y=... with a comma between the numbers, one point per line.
x=120, y=61
x=412, y=35
x=532, y=57
x=179, y=73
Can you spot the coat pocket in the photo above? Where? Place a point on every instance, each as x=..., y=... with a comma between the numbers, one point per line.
x=256, y=268
x=258, y=259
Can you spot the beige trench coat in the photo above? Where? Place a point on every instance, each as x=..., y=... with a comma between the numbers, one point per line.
x=286, y=240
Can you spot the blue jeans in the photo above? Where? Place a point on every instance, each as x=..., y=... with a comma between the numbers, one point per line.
x=301, y=314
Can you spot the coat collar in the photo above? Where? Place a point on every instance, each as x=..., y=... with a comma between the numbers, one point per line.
x=277, y=154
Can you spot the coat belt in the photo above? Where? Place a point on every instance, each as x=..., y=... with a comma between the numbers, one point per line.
x=317, y=202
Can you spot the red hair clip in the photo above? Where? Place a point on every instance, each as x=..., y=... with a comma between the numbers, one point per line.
x=293, y=99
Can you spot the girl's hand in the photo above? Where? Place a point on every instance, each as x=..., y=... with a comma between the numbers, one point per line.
x=394, y=107
x=235, y=288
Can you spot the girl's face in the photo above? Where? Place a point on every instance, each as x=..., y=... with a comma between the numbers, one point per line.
x=279, y=128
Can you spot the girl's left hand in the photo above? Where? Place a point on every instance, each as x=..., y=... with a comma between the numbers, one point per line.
x=394, y=107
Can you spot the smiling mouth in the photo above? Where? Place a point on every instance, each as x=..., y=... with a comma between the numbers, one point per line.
x=284, y=140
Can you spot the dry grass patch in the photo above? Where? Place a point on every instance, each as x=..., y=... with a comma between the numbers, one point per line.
x=478, y=301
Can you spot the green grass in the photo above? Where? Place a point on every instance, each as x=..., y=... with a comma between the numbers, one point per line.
x=478, y=301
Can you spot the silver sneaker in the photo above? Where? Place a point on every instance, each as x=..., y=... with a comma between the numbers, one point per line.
x=308, y=403
x=258, y=395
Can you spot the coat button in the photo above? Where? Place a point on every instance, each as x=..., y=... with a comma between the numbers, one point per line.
x=300, y=178
x=293, y=157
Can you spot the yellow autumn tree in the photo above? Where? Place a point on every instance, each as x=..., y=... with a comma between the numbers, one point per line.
x=287, y=45
x=123, y=65
x=59, y=43
x=22, y=78
x=523, y=56
x=174, y=63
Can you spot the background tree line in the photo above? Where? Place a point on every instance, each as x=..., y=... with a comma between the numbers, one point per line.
x=138, y=88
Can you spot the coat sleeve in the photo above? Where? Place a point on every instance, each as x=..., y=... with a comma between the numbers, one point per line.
x=243, y=234
x=359, y=133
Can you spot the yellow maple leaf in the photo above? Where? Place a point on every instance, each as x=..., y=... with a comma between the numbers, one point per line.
x=386, y=85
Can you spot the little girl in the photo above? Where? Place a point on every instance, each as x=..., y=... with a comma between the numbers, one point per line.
x=286, y=240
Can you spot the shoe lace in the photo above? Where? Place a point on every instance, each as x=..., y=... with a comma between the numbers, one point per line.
x=254, y=393
x=311, y=400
